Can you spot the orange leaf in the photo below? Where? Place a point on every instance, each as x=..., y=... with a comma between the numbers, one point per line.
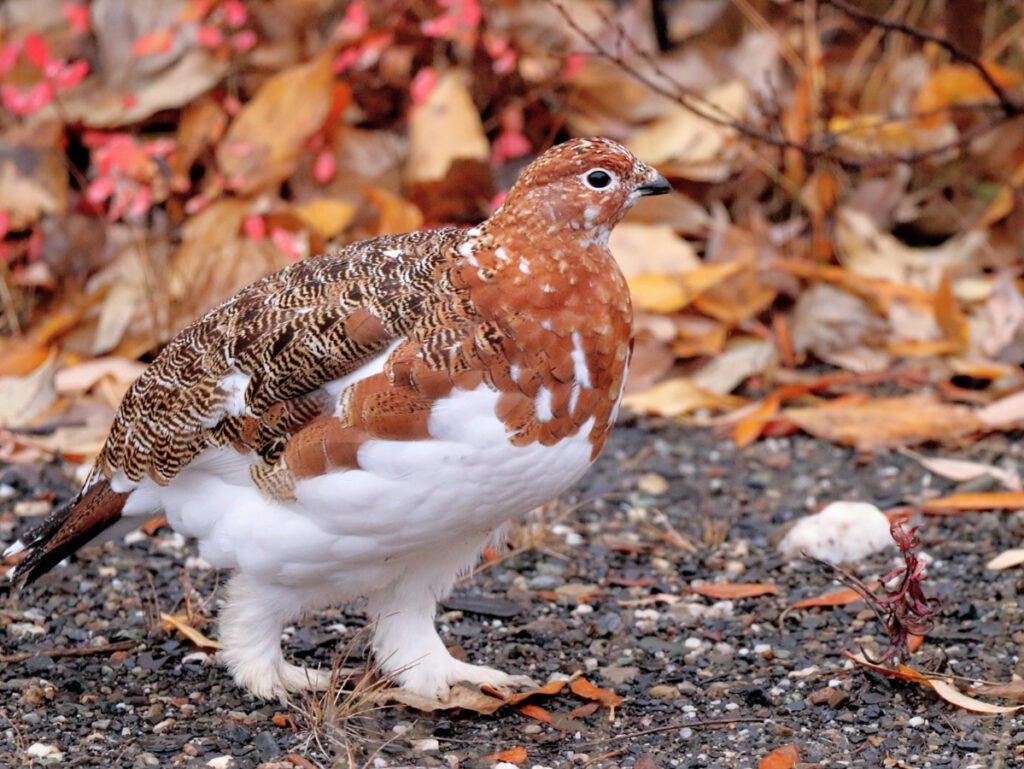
x=728, y=590
x=154, y=42
x=914, y=642
x=536, y=712
x=785, y=757
x=982, y=500
x=514, y=756
x=153, y=525
x=842, y=597
x=749, y=429
x=581, y=687
x=548, y=689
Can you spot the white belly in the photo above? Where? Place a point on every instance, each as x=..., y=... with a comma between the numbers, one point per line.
x=355, y=527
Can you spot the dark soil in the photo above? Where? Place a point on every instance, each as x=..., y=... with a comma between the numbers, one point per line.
x=705, y=683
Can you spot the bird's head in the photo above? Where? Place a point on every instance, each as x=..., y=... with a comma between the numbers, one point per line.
x=583, y=185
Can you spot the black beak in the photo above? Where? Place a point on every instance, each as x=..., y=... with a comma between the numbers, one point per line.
x=657, y=186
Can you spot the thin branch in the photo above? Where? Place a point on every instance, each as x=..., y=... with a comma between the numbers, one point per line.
x=820, y=146
x=1009, y=106
x=80, y=651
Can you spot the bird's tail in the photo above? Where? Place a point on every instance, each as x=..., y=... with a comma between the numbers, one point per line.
x=66, y=529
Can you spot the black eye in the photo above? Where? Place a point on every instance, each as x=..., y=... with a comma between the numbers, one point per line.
x=599, y=179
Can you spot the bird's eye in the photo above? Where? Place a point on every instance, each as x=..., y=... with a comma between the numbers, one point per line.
x=598, y=179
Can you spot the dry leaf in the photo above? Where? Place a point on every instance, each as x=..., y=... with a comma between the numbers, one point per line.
x=397, y=215
x=1004, y=412
x=867, y=251
x=515, y=755
x=721, y=591
x=655, y=249
x=459, y=696
x=84, y=376
x=682, y=144
x=33, y=176
x=785, y=757
x=1006, y=560
x=179, y=622
x=954, y=696
x=668, y=293
x=328, y=216
x=843, y=597
x=831, y=323
x=676, y=397
x=445, y=128
x=961, y=470
x=116, y=314
x=1014, y=690
x=978, y=500
x=536, y=712
x=24, y=398
x=886, y=422
x=581, y=687
x=265, y=141
x=739, y=362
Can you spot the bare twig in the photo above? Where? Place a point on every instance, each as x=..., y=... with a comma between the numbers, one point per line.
x=1009, y=106
x=819, y=146
x=80, y=651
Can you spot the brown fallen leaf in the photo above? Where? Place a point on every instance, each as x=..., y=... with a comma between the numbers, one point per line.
x=459, y=696
x=663, y=293
x=179, y=622
x=785, y=757
x=445, y=128
x=730, y=590
x=586, y=709
x=581, y=687
x=980, y=500
x=516, y=755
x=677, y=397
x=962, y=471
x=843, y=597
x=264, y=143
x=153, y=525
x=886, y=422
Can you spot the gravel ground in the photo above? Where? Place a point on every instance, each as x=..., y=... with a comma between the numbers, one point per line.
x=705, y=683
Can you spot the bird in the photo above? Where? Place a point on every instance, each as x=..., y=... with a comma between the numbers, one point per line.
x=364, y=423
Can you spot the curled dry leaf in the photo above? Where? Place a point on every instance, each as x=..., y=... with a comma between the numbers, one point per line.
x=721, y=591
x=179, y=622
x=785, y=757
x=666, y=293
x=651, y=249
x=22, y=398
x=962, y=471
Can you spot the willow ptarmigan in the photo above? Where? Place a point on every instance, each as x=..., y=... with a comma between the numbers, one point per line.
x=363, y=423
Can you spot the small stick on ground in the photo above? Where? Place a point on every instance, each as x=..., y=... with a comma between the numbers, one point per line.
x=83, y=651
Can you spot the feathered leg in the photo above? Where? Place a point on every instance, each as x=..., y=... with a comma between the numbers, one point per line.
x=405, y=641
x=251, y=622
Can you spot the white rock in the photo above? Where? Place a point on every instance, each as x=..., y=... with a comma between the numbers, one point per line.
x=915, y=721
x=843, y=531
x=220, y=762
x=47, y=754
x=423, y=746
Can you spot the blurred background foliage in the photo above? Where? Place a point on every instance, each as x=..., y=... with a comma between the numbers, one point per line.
x=842, y=254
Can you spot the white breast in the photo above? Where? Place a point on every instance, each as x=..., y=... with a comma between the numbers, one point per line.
x=408, y=498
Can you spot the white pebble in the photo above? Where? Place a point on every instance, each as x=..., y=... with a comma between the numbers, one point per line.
x=915, y=721
x=220, y=762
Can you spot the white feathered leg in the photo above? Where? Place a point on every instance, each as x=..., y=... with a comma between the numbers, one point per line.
x=251, y=622
x=406, y=643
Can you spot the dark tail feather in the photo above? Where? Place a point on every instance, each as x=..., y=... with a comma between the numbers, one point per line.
x=67, y=529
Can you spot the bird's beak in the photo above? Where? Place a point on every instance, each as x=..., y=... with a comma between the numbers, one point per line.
x=656, y=184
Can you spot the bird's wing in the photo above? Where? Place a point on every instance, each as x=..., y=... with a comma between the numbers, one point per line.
x=263, y=373
x=255, y=370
